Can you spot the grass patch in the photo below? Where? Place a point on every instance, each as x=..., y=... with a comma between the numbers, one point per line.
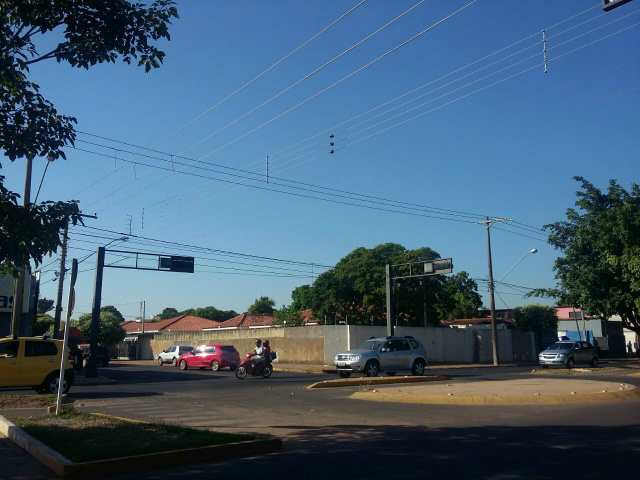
x=34, y=400
x=84, y=437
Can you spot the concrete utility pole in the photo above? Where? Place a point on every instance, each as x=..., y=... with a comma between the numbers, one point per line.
x=494, y=333
x=389, y=284
x=143, y=306
x=63, y=271
x=18, y=291
x=92, y=369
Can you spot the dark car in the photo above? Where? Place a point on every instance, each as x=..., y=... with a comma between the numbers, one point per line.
x=103, y=357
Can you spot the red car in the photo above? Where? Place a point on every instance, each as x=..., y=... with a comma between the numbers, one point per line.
x=213, y=356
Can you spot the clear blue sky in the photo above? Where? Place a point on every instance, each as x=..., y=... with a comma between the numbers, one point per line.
x=508, y=150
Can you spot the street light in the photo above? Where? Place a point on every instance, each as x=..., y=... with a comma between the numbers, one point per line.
x=532, y=251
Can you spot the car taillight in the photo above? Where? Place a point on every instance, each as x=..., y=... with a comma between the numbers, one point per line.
x=72, y=359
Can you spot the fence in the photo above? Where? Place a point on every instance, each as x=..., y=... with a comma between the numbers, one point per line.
x=318, y=344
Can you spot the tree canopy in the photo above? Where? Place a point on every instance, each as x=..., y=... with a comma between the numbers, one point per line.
x=262, y=306
x=355, y=288
x=84, y=33
x=210, y=312
x=45, y=305
x=42, y=324
x=168, y=312
x=114, y=311
x=600, y=242
x=110, y=331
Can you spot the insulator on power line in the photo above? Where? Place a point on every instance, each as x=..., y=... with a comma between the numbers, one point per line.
x=331, y=136
x=332, y=151
x=331, y=144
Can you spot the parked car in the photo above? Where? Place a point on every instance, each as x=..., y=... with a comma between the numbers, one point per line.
x=568, y=354
x=383, y=354
x=213, y=356
x=35, y=362
x=103, y=357
x=171, y=354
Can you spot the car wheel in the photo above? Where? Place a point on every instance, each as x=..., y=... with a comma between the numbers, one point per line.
x=183, y=364
x=241, y=372
x=571, y=363
x=215, y=365
x=390, y=374
x=160, y=362
x=594, y=362
x=371, y=369
x=174, y=362
x=344, y=374
x=267, y=371
x=418, y=367
x=52, y=383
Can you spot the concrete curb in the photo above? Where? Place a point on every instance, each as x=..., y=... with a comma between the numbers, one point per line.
x=298, y=370
x=633, y=394
x=65, y=468
x=354, y=382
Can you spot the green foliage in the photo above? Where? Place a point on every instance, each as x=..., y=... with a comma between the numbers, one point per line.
x=212, y=313
x=535, y=318
x=289, y=316
x=168, y=312
x=110, y=331
x=42, y=324
x=262, y=306
x=600, y=241
x=45, y=305
x=114, y=311
x=459, y=297
x=87, y=33
x=356, y=288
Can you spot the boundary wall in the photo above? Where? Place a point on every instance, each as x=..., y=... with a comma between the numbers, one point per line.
x=318, y=344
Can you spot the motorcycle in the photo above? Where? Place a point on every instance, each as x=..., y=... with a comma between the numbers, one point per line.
x=263, y=368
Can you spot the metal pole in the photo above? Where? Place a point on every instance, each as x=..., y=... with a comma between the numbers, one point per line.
x=18, y=289
x=144, y=304
x=584, y=324
x=63, y=259
x=389, y=301
x=92, y=370
x=494, y=333
x=65, y=343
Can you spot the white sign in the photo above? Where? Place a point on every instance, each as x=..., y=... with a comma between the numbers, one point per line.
x=6, y=293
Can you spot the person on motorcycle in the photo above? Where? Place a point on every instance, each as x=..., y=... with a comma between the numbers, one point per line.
x=266, y=350
x=258, y=353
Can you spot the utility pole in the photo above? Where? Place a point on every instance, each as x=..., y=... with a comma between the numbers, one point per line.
x=143, y=306
x=18, y=290
x=92, y=370
x=494, y=333
x=63, y=271
x=389, y=286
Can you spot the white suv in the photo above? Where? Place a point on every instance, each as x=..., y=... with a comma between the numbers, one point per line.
x=171, y=354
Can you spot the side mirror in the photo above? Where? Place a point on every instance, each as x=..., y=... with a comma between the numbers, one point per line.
x=191, y=352
x=577, y=347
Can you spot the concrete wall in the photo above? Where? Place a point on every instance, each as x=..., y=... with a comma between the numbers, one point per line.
x=319, y=344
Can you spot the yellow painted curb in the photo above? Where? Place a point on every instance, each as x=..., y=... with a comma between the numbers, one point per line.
x=67, y=469
x=354, y=382
x=633, y=394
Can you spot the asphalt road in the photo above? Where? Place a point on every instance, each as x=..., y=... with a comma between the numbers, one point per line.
x=326, y=434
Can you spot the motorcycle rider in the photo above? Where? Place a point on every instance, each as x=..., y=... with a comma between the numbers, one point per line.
x=266, y=350
x=258, y=354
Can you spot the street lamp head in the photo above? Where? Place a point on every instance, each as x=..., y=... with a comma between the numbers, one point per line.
x=533, y=250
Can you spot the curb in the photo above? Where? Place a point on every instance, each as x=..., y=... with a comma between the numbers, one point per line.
x=298, y=370
x=354, y=382
x=65, y=468
x=633, y=394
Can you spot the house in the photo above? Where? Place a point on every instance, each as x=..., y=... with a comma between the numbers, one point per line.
x=608, y=334
x=501, y=323
x=245, y=320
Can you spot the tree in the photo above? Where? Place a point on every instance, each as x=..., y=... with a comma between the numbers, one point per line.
x=212, y=313
x=86, y=33
x=600, y=241
x=536, y=318
x=114, y=311
x=44, y=305
x=42, y=324
x=110, y=331
x=168, y=312
x=288, y=316
x=459, y=297
x=262, y=306
x=302, y=297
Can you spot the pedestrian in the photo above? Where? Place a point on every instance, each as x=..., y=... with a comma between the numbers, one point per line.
x=629, y=349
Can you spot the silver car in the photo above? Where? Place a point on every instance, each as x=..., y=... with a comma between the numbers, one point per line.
x=568, y=354
x=171, y=354
x=383, y=354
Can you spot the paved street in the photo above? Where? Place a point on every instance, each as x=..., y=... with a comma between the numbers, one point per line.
x=327, y=434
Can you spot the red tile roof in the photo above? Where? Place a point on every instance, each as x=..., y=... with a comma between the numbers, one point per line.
x=477, y=321
x=247, y=320
x=182, y=323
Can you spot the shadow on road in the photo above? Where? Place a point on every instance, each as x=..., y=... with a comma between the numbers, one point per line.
x=102, y=394
x=154, y=375
x=398, y=452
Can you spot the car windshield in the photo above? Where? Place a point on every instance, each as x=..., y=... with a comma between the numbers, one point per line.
x=369, y=345
x=228, y=349
x=561, y=346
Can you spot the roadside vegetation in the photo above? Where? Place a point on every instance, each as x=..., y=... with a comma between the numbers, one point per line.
x=102, y=437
